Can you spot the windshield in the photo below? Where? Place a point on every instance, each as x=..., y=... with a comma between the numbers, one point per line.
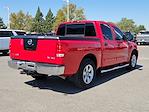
x=129, y=36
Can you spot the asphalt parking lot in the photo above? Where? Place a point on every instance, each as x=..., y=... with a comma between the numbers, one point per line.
x=116, y=91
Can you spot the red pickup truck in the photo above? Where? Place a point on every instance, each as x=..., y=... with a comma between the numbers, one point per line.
x=78, y=50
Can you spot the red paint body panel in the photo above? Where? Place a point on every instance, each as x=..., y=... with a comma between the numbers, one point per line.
x=75, y=50
x=45, y=52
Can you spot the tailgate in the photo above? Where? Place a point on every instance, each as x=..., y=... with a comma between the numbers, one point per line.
x=34, y=49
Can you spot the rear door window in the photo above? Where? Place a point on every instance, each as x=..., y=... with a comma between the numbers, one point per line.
x=6, y=33
x=106, y=31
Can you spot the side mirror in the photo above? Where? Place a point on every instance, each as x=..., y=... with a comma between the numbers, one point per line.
x=125, y=38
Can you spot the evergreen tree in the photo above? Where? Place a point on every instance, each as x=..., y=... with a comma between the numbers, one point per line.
x=49, y=20
x=2, y=25
x=38, y=22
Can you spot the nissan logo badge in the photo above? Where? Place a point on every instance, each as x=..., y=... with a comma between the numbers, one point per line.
x=30, y=42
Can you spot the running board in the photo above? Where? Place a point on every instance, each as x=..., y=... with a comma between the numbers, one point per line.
x=115, y=68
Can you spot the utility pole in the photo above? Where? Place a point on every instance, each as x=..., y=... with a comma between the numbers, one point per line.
x=8, y=12
x=67, y=1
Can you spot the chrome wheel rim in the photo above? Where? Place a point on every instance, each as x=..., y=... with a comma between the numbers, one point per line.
x=133, y=61
x=88, y=74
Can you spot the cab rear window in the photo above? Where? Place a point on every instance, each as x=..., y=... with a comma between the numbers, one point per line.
x=87, y=29
x=75, y=29
x=6, y=34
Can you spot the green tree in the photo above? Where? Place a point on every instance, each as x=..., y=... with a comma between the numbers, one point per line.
x=2, y=25
x=59, y=19
x=126, y=24
x=49, y=20
x=28, y=22
x=38, y=22
x=129, y=25
x=140, y=28
x=75, y=13
x=20, y=21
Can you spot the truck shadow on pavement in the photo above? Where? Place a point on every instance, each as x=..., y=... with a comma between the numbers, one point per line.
x=63, y=86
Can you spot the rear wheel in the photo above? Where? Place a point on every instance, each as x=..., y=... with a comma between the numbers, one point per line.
x=86, y=74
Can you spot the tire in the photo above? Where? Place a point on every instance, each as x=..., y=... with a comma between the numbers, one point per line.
x=85, y=75
x=133, y=61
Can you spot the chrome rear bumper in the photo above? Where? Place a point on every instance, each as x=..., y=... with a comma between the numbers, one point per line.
x=41, y=68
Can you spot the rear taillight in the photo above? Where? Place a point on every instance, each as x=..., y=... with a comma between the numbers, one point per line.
x=59, y=47
x=60, y=52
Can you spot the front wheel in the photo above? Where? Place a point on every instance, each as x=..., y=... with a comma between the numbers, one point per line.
x=133, y=61
x=86, y=74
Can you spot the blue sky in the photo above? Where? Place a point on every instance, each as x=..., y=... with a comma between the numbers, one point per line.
x=107, y=10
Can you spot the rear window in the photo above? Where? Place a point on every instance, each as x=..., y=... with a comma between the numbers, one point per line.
x=87, y=29
x=75, y=29
x=6, y=33
x=61, y=30
x=20, y=33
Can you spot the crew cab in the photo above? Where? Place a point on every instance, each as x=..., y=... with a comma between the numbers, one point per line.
x=77, y=52
x=5, y=35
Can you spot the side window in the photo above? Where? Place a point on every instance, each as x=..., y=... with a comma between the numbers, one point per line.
x=90, y=29
x=61, y=30
x=6, y=33
x=119, y=33
x=106, y=31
